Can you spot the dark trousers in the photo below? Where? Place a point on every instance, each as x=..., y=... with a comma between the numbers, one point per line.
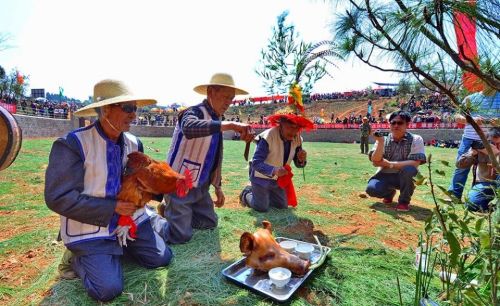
x=262, y=198
x=364, y=144
x=194, y=211
x=383, y=185
x=102, y=274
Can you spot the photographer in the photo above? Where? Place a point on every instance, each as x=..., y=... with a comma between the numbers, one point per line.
x=486, y=180
x=486, y=110
x=398, y=156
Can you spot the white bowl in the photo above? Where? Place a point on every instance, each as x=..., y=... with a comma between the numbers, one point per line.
x=304, y=250
x=288, y=245
x=280, y=276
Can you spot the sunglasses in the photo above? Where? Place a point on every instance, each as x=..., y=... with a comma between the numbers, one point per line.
x=396, y=122
x=127, y=108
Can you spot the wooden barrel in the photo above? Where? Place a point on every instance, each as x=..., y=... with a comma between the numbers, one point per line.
x=10, y=138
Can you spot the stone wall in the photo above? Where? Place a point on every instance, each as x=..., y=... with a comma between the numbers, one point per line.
x=34, y=127
x=44, y=127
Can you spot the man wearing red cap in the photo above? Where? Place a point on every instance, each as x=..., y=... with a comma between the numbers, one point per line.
x=270, y=171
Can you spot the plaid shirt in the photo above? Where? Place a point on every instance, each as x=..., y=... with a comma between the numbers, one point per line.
x=193, y=124
x=410, y=147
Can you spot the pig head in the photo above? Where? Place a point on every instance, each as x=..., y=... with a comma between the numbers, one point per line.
x=264, y=253
x=145, y=177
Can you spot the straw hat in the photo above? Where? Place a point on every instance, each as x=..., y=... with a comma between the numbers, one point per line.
x=220, y=79
x=108, y=92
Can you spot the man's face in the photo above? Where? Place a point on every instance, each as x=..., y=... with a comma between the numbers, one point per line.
x=121, y=115
x=289, y=130
x=220, y=98
x=398, y=126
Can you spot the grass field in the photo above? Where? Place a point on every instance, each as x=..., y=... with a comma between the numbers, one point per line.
x=371, y=242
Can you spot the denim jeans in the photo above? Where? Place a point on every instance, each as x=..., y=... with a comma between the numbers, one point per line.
x=384, y=185
x=460, y=176
x=480, y=196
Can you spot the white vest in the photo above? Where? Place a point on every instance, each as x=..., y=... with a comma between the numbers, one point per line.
x=196, y=154
x=103, y=166
x=277, y=149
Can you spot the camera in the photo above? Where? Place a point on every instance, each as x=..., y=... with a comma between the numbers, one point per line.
x=379, y=133
x=477, y=145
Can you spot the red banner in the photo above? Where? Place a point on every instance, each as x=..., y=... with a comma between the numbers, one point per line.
x=465, y=31
x=12, y=108
x=376, y=126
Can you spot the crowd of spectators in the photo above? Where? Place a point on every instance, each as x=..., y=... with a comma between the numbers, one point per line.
x=433, y=108
x=436, y=102
x=152, y=119
x=43, y=108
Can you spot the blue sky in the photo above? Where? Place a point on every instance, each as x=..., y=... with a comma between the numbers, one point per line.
x=162, y=49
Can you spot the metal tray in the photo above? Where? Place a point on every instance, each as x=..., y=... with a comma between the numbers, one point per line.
x=259, y=281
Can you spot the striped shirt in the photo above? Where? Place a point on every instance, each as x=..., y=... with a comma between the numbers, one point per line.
x=484, y=106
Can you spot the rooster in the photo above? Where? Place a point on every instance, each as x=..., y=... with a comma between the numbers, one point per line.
x=143, y=178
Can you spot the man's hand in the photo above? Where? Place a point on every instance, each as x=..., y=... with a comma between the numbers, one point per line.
x=280, y=171
x=219, y=202
x=382, y=163
x=122, y=235
x=301, y=156
x=245, y=130
x=380, y=140
x=125, y=208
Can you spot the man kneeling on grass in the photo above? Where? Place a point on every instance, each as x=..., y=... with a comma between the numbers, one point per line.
x=486, y=179
x=397, y=157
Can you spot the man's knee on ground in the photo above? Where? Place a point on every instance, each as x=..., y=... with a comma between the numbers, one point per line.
x=160, y=260
x=107, y=290
x=205, y=225
x=260, y=208
x=182, y=238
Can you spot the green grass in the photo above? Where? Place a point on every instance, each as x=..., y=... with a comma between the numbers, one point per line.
x=361, y=269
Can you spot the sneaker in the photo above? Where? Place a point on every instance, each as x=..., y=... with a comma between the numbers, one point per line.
x=403, y=206
x=390, y=199
x=243, y=195
x=64, y=268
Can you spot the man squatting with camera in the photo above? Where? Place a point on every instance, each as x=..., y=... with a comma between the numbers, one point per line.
x=486, y=111
x=486, y=179
x=397, y=156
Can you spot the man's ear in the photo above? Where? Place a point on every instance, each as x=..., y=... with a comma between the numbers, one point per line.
x=247, y=243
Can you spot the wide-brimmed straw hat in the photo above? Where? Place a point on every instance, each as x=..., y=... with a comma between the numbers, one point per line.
x=108, y=92
x=220, y=79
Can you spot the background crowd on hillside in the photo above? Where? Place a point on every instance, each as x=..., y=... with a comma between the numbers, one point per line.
x=431, y=108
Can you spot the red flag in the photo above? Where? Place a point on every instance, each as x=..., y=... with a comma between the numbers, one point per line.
x=20, y=78
x=465, y=30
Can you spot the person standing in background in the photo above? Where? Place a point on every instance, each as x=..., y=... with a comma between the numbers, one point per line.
x=366, y=131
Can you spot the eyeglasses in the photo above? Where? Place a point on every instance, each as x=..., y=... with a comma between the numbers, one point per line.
x=396, y=122
x=128, y=108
